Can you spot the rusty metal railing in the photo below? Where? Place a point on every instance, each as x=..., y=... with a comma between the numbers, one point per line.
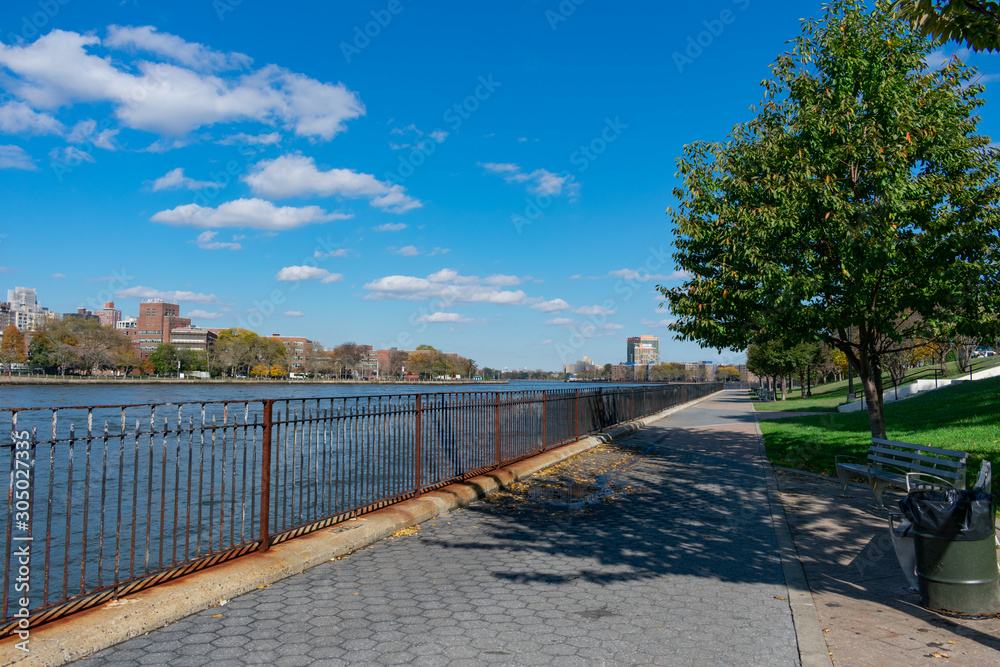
x=106, y=500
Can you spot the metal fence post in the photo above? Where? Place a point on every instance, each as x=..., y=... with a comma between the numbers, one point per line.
x=496, y=429
x=576, y=414
x=417, y=446
x=545, y=420
x=265, y=478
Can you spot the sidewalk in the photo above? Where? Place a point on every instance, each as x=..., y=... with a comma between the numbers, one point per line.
x=870, y=616
x=658, y=549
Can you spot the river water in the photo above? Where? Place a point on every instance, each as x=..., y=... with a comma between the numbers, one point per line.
x=31, y=396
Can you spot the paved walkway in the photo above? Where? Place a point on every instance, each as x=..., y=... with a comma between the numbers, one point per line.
x=869, y=614
x=681, y=570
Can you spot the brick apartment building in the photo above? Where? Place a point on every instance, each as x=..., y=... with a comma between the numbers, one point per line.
x=299, y=350
x=155, y=322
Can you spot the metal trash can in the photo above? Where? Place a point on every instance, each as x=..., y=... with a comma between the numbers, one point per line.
x=955, y=540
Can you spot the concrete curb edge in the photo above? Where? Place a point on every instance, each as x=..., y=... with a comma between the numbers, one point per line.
x=93, y=630
x=813, y=649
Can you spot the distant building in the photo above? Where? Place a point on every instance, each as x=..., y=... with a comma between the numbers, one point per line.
x=7, y=316
x=108, y=316
x=23, y=299
x=586, y=364
x=156, y=320
x=193, y=338
x=81, y=313
x=127, y=324
x=642, y=350
x=630, y=373
x=25, y=311
x=299, y=350
x=701, y=371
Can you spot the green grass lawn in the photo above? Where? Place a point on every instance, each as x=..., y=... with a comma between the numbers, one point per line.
x=826, y=397
x=965, y=416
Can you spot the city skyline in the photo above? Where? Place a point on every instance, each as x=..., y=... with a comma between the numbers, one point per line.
x=380, y=172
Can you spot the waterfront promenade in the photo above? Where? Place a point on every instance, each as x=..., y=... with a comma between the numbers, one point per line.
x=669, y=555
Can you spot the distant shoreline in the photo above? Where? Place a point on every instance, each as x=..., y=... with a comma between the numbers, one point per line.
x=119, y=381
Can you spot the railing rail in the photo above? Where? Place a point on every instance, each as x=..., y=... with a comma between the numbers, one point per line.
x=107, y=500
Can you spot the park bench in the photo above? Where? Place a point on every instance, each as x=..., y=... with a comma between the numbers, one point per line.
x=904, y=465
x=764, y=394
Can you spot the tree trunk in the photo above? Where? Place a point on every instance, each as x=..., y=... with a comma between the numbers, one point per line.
x=784, y=388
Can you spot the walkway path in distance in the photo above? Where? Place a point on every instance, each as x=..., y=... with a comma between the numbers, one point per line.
x=679, y=568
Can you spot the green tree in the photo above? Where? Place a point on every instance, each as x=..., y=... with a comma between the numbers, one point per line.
x=975, y=22
x=164, y=359
x=12, y=348
x=860, y=197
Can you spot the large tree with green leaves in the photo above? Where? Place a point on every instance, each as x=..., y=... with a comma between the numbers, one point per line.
x=859, y=207
x=975, y=22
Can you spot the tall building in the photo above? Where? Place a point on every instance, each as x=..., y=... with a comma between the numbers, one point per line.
x=23, y=299
x=108, y=316
x=25, y=311
x=643, y=350
x=156, y=320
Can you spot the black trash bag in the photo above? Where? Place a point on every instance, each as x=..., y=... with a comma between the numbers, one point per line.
x=951, y=514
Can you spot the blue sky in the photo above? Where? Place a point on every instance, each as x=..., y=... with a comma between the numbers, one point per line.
x=487, y=178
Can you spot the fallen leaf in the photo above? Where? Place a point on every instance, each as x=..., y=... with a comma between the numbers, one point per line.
x=826, y=629
x=217, y=616
x=778, y=597
x=939, y=655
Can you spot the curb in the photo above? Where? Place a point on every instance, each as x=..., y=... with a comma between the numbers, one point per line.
x=813, y=649
x=93, y=630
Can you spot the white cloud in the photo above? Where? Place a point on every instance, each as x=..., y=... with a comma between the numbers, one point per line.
x=60, y=69
x=441, y=318
x=205, y=242
x=661, y=324
x=175, y=179
x=390, y=227
x=539, y=181
x=170, y=296
x=83, y=132
x=500, y=280
x=204, y=315
x=445, y=285
x=553, y=306
x=560, y=321
x=14, y=157
x=294, y=313
x=58, y=275
x=196, y=56
x=339, y=252
x=298, y=176
x=254, y=213
x=547, y=341
x=593, y=310
x=439, y=135
x=300, y=273
x=251, y=139
x=405, y=251
x=70, y=154
x=632, y=274
x=18, y=117
x=438, y=251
